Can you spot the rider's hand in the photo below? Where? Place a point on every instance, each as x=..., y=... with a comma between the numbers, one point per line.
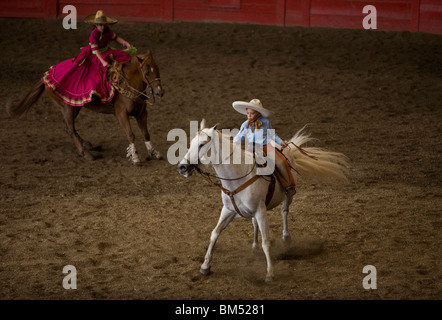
x=105, y=64
x=284, y=144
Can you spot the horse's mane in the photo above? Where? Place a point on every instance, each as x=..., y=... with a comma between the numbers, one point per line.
x=228, y=140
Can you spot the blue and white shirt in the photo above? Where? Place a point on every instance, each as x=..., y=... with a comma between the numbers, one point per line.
x=261, y=135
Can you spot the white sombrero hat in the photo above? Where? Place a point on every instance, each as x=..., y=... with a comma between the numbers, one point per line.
x=99, y=18
x=254, y=104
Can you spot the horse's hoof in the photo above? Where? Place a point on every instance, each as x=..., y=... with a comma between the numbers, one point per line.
x=132, y=154
x=269, y=278
x=88, y=156
x=134, y=159
x=87, y=145
x=205, y=272
x=155, y=155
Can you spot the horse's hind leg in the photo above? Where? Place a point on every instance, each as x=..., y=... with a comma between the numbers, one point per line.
x=69, y=115
x=86, y=144
x=69, y=120
x=142, y=124
x=224, y=219
x=284, y=212
x=255, y=234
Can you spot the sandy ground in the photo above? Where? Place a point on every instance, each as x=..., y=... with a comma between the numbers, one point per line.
x=142, y=232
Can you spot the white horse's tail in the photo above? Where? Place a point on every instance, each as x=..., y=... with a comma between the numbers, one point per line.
x=316, y=163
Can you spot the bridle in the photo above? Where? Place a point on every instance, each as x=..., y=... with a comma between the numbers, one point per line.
x=145, y=76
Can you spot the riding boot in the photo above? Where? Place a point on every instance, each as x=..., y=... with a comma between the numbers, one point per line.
x=289, y=188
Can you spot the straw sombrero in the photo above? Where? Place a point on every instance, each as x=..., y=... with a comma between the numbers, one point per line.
x=254, y=104
x=99, y=18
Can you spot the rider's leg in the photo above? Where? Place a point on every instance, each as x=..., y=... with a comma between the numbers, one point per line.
x=284, y=173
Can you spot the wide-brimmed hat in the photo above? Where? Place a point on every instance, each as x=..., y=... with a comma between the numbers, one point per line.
x=255, y=104
x=99, y=18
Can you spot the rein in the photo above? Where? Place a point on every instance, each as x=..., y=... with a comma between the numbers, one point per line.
x=304, y=152
x=246, y=184
x=207, y=174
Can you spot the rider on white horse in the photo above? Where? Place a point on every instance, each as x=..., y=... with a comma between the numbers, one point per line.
x=258, y=122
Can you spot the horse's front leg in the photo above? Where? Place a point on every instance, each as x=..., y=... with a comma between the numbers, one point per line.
x=261, y=219
x=255, y=233
x=142, y=124
x=224, y=219
x=123, y=118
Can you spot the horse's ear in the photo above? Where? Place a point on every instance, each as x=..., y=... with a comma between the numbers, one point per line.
x=141, y=57
x=149, y=53
x=211, y=131
x=203, y=124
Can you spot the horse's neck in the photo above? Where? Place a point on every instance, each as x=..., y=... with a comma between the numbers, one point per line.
x=228, y=168
x=132, y=74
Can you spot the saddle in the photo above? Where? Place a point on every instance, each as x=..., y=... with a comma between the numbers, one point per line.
x=115, y=73
x=276, y=176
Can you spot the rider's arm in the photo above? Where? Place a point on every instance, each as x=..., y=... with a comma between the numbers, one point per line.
x=274, y=136
x=123, y=42
x=93, y=42
x=240, y=135
x=103, y=62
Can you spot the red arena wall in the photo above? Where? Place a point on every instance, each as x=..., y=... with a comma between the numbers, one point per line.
x=401, y=15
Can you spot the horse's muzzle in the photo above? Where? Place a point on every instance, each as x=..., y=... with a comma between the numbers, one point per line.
x=158, y=91
x=159, y=94
x=186, y=169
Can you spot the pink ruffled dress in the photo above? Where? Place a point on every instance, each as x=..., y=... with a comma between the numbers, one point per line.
x=76, y=80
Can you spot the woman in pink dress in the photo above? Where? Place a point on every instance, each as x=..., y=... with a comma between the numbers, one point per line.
x=76, y=80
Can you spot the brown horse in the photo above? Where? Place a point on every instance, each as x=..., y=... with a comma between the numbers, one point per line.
x=138, y=78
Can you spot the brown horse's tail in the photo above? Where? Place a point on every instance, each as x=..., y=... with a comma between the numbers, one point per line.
x=16, y=110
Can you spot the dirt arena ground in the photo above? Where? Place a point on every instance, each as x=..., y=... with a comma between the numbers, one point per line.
x=142, y=232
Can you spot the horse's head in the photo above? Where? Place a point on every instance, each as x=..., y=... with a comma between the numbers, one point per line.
x=198, y=151
x=150, y=73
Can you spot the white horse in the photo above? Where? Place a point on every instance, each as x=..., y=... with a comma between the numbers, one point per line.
x=244, y=192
